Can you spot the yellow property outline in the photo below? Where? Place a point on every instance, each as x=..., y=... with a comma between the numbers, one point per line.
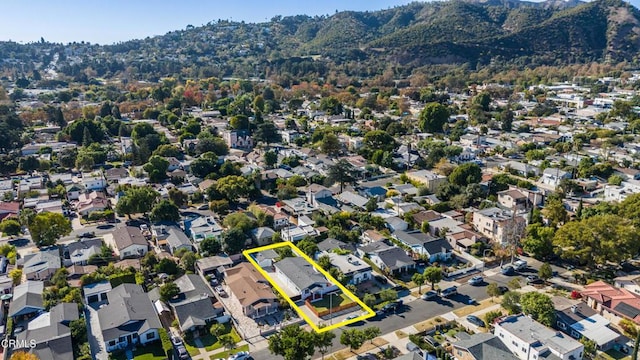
x=352, y=296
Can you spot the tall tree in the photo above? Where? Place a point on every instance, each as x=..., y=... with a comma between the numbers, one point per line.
x=418, y=279
x=233, y=186
x=293, y=343
x=169, y=291
x=234, y=240
x=353, y=338
x=539, y=306
x=47, y=227
x=555, y=212
x=545, y=272
x=323, y=341
x=341, y=172
x=165, y=210
x=433, y=275
x=156, y=168
x=433, y=117
x=465, y=174
x=330, y=144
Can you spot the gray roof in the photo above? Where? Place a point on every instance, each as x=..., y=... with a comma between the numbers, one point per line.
x=352, y=198
x=97, y=288
x=82, y=250
x=27, y=298
x=192, y=287
x=375, y=247
x=213, y=262
x=51, y=333
x=485, y=346
x=300, y=272
x=128, y=235
x=331, y=243
x=129, y=310
x=55, y=349
x=195, y=313
x=395, y=258
x=42, y=260
x=174, y=235
x=262, y=233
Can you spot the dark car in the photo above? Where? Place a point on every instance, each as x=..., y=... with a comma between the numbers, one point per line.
x=508, y=270
x=534, y=279
x=503, y=289
x=475, y=320
x=87, y=234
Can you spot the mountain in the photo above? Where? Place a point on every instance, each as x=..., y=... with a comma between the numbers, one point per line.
x=471, y=32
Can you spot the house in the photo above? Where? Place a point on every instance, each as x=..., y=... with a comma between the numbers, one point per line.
x=266, y=258
x=195, y=307
x=297, y=233
x=96, y=292
x=212, y=264
x=498, y=225
x=377, y=192
x=171, y=237
x=90, y=202
x=316, y=192
x=613, y=303
x=94, y=181
x=48, y=336
x=238, y=139
x=393, y=260
x=530, y=340
x=41, y=265
x=354, y=269
x=628, y=282
x=280, y=221
x=74, y=191
x=371, y=236
x=579, y=321
x=114, y=174
x=553, y=176
x=330, y=244
x=520, y=168
x=75, y=273
x=262, y=235
x=127, y=242
x=352, y=199
x=394, y=224
x=302, y=279
x=9, y=209
x=512, y=199
x=27, y=299
x=437, y=249
x=251, y=290
x=174, y=164
x=428, y=178
x=202, y=227
x=481, y=346
x=79, y=252
x=371, y=248
x=129, y=318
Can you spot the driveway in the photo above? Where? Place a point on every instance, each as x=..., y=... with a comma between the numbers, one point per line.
x=94, y=334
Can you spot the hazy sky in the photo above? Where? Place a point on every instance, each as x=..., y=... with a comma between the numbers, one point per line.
x=101, y=21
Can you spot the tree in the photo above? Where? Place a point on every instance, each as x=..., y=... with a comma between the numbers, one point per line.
x=598, y=239
x=234, y=240
x=539, y=240
x=493, y=290
x=514, y=284
x=233, y=187
x=341, y=172
x=23, y=355
x=491, y=316
x=465, y=174
x=418, y=279
x=270, y=158
x=371, y=333
x=539, y=306
x=166, y=266
x=165, y=210
x=16, y=276
x=353, y=338
x=216, y=329
x=188, y=260
x=433, y=117
x=388, y=295
x=511, y=301
x=267, y=133
x=137, y=199
x=545, y=272
x=210, y=246
x=323, y=341
x=330, y=144
x=227, y=341
x=178, y=197
x=292, y=343
x=10, y=226
x=369, y=299
x=168, y=291
x=308, y=247
x=590, y=348
x=331, y=105
x=156, y=168
x=214, y=144
x=555, y=212
x=47, y=227
x=239, y=221
x=433, y=275
x=379, y=140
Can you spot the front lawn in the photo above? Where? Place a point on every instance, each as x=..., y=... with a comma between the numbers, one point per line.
x=226, y=354
x=210, y=342
x=327, y=302
x=150, y=352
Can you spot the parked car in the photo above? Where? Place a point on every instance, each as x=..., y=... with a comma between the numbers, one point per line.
x=508, y=270
x=476, y=280
x=520, y=265
x=220, y=290
x=450, y=291
x=475, y=320
x=503, y=289
x=182, y=352
x=352, y=316
x=176, y=340
x=89, y=234
x=214, y=282
x=429, y=295
x=242, y=355
x=534, y=279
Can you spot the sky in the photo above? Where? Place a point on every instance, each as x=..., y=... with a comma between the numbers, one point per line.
x=107, y=22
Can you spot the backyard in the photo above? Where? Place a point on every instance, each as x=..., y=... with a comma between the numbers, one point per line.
x=210, y=342
x=333, y=300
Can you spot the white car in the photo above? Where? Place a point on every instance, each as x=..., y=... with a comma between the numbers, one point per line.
x=242, y=355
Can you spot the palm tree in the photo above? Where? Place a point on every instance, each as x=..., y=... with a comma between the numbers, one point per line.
x=418, y=279
x=341, y=172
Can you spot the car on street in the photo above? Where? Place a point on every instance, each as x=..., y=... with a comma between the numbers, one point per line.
x=429, y=295
x=352, y=316
x=519, y=265
x=534, y=279
x=214, y=282
x=508, y=270
x=503, y=289
x=476, y=280
x=475, y=320
x=450, y=291
x=366, y=357
x=220, y=290
x=242, y=355
x=89, y=234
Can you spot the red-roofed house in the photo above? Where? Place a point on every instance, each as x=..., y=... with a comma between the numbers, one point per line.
x=11, y=208
x=612, y=303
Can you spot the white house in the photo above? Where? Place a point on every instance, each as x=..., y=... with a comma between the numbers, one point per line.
x=302, y=279
x=530, y=340
x=94, y=181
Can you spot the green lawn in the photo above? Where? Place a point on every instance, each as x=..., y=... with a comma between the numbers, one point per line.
x=210, y=342
x=326, y=302
x=226, y=354
x=150, y=352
